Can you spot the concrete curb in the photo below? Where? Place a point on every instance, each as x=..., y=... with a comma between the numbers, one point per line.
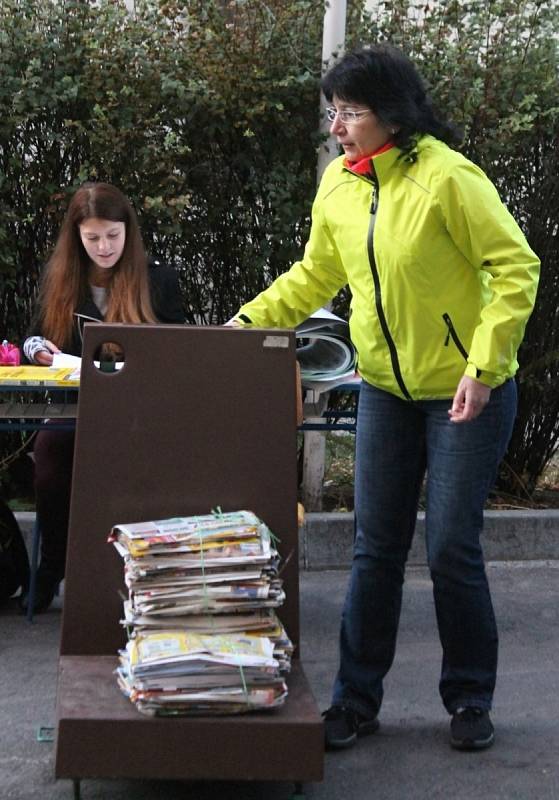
x=325, y=540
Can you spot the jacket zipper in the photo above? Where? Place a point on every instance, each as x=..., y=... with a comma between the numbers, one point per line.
x=378, y=300
x=455, y=338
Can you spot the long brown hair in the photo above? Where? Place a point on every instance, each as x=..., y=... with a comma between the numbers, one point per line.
x=65, y=282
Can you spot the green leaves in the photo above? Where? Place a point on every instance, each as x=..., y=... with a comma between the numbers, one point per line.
x=198, y=111
x=206, y=113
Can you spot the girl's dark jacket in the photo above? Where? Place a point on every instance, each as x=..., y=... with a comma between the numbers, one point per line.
x=166, y=300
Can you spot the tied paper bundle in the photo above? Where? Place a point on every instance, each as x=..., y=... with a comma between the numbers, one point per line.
x=216, y=576
x=187, y=673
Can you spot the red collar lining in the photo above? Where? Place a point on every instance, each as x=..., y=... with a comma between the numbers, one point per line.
x=364, y=166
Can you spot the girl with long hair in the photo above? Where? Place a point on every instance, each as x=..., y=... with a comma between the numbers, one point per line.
x=98, y=270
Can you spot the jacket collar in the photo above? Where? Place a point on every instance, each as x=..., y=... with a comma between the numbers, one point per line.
x=365, y=165
x=378, y=164
x=382, y=162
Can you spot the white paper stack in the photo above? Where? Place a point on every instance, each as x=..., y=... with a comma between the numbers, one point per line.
x=205, y=637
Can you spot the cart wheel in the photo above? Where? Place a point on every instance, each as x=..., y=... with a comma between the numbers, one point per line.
x=76, y=783
x=298, y=793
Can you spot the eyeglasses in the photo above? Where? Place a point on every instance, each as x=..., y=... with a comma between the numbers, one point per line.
x=346, y=116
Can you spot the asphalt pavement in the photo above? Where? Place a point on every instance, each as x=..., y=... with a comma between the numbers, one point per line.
x=408, y=759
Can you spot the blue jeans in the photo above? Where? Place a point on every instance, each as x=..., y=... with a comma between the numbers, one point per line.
x=397, y=441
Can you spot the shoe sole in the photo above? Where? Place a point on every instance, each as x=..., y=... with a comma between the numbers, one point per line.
x=365, y=728
x=468, y=744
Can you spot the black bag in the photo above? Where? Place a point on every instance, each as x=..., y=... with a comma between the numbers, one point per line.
x=14, y=562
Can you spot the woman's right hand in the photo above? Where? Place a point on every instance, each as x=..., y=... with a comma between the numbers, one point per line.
x=44, y=357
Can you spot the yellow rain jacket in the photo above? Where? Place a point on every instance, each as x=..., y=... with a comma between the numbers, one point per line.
x=442, y=278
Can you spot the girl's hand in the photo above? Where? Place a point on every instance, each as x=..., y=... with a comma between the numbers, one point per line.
x=44, y=357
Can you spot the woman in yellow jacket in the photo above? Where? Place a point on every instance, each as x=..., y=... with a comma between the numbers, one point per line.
x=442, y=283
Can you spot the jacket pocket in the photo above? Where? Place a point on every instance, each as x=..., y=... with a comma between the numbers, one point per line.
x=451, y=334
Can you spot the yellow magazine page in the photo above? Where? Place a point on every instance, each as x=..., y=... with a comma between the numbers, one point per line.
x=174, y=644
x=39, y=376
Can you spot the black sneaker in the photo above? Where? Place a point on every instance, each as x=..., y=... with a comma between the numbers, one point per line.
x=343, y=725
x=471, y=729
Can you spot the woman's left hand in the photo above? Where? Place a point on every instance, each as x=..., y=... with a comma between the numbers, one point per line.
x=469, y=401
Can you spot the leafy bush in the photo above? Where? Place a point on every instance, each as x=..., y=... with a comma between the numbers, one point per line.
x=205, y=118
x=205, y=114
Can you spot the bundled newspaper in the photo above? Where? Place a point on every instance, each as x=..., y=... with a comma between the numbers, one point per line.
x=205, y=637
x=325, y=352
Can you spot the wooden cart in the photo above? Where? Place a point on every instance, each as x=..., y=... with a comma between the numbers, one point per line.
x=197, y=418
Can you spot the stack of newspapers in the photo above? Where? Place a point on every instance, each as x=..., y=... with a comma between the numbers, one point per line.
x=204, y=634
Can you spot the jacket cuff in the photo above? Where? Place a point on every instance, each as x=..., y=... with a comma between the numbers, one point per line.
x=33, y=345
x=240, y=319
x=490, y=379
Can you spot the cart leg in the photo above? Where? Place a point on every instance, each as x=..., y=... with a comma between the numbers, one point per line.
x=298, y=793
x=33, y=571
x=76, y=783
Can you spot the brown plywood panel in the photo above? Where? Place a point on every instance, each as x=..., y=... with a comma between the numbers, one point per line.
x=197, y=418
x=100, y=734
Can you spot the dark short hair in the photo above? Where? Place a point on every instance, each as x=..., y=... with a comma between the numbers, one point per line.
x=382, y=78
